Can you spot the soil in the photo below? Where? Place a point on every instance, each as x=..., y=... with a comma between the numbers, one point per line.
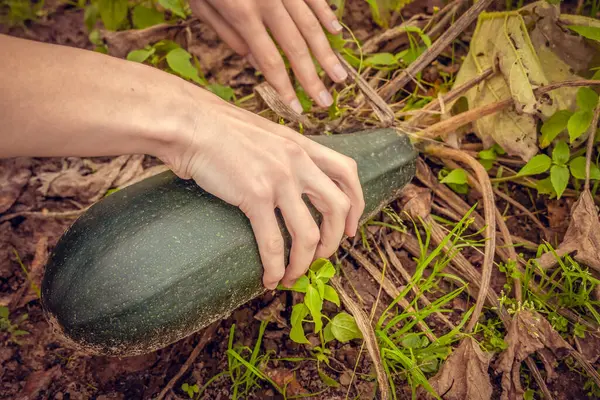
x=39, y=366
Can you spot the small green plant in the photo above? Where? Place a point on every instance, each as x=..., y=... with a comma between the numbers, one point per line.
x=170, y=57
x=19, y=12
x=456, y=179
x=342, y=327
x=489, y=156
x=190, y=389
x=12, y=327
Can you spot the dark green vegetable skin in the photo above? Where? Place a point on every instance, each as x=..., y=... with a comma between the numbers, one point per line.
x=159, y=260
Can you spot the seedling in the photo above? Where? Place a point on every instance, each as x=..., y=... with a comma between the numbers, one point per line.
x=12, y=326
x=316, y=289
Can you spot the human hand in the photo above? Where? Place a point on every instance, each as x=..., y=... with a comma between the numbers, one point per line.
x=258, y=165
x=295, y=25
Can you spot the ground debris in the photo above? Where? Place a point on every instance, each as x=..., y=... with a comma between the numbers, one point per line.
x=464, y=375
x=38, y=381
x=14, y=175
x=529, y=53
x=73, y=181
x=30, y=291
x=582, y=237
x=528, y=333
x=286, y=378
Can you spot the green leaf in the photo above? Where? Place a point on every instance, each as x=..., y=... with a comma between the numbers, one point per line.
x=590, y=32
x=537, y=165
x=411, y=341
x=19, y=332
x=165, y=46
x=304, y=99
x=587, y=99
x=559, y=174
x=299, y=312
x=408, y=56
x=424, y=37
x=577, y=166
x=320, y=288
x=144, y=17
x=174, y=6
x=579, y=330
x=544, y=186
x=381, y=59
x=579, y=123
x=344, y=328
x=112, y=13
x=331, y=295
x=90, y=16
x=561, y=153
x=327, y=334
x=318, y=264
x=301, y=284
x=185, y=387
x=327, y=380
x=314, y=302
x=4, y=312
x=489, y=154
x=140, y=55
x=337, y=42
x=556, y=124
x=179, y=61
x=457, y=176
x=224, y=92
x=596, y=75
x=326, y=271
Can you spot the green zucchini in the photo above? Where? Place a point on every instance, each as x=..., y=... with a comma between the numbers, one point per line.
x=159, y=260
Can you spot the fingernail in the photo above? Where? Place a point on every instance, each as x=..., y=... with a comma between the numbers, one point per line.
x=252, y=61
x=336, y=25
x=296, y=106
x=339, y=73
x=325, y=98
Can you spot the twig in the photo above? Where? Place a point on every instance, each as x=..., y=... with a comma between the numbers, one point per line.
x=380, y=107
x=452, y=95
x=44, y=214
x=204, y=339
x=362, y=321
x=524, y=210
x=490, y=229
x=538, y=378
x=388, y=90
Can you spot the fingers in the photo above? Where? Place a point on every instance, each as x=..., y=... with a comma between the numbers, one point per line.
x=305, y=236
x=285, y=31
x=311, y=29
x=224, y=30
x=267, y=57
x=325, y=15
x=270, y=243
x=333, y=205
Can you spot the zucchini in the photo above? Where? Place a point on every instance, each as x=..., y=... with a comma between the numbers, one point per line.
x=159, y=260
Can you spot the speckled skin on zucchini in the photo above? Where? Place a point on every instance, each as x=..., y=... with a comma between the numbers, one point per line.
x=161, y=259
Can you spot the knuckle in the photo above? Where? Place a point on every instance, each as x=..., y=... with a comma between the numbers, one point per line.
x=274, y=245
x=311, y=238
x=261, y=190
x=272, y=63
x=351, y=167
x=344, y=205
x=292, y=149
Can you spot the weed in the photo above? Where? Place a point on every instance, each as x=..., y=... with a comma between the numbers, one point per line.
x=19, y=12
x=12, y=326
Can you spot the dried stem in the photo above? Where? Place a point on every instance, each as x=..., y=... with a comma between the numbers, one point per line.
x=387, y=285
x=362, y=321
x=490, y=229
x=590, y=147
x=390, y=89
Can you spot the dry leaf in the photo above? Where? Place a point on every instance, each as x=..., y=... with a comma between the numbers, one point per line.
x=70, y=182
x=528, y=333
x=130, y=171
x=283, y=377
x=38, y=381
x=272, y=313
x=416, y=201
x=582, y=237
x=14, y=175
x=589, y=346
x=531, y=50
x=464, y=375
